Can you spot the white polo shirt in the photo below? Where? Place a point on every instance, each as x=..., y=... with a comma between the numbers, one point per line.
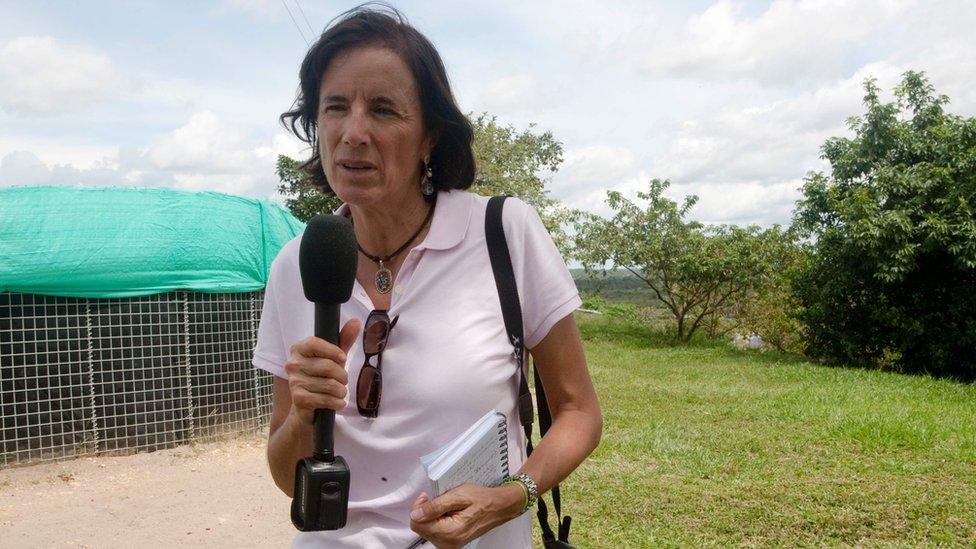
x=447, y=361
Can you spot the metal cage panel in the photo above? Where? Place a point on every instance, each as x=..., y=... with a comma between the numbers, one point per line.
x=91, y=376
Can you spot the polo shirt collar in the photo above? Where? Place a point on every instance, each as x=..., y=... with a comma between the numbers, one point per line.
x=449, y=225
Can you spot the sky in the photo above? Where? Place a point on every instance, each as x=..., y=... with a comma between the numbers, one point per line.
x=729, y=100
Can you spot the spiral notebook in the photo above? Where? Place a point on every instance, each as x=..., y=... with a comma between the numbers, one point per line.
x=479, y=455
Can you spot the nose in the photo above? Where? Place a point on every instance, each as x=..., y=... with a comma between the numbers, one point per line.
x=355, y=131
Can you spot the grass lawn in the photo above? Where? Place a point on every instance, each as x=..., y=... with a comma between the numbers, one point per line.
x=706, y=445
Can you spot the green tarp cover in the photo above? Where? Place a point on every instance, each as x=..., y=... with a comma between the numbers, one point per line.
x=124, y=242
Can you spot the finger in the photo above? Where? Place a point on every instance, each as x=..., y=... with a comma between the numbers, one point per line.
x=315, y=401
x=348, y=334
x=317, y=347
x=421, y=499
x=455, y=500
x=325, y=386
x=446, y=531
x=323, y=369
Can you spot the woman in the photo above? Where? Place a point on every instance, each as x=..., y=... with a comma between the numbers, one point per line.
x=391, y=143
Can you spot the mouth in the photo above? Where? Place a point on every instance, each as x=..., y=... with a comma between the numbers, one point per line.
x=356, y=165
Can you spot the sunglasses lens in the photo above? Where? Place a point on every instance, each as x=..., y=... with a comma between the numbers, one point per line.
x=374, y=335
x=368, y=391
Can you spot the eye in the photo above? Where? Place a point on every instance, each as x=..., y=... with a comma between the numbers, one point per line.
x=384, y=111
x=334, y=108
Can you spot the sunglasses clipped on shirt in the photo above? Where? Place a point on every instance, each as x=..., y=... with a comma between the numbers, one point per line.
x=369, y=387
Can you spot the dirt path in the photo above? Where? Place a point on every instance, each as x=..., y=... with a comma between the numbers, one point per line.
x=207, y=495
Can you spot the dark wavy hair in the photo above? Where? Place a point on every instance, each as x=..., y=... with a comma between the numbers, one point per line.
x=451, y=160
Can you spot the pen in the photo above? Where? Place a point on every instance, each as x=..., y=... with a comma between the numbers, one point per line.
x=417, y=543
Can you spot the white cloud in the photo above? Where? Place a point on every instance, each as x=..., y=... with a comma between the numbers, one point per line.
x=586, y=169
x=211, y=153
x=741, y=203
x=25, y=168
x=251, y=105
x=205, y=144
x=509, y=93
x=40, y=77
x=587, y=173
x=731, y=102
x=76, y=152
x=206, y=153
x=790, y=42
x=598, y=33
x=286, y=144
x=767, y=143
x=941, y=44
x=744, y=163
x=237, y=184
x=593, y=198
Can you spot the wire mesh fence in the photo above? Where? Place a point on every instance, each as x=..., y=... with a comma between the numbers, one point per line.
x=94, y=376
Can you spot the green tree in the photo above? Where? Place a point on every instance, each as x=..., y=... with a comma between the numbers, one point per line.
x=303, y=199
x=509, y=161
x=520, y=163
x=694, y=270
x=770, y=308
x=892, y=281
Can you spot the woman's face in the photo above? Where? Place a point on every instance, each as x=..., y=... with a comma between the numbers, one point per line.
x=370, y=124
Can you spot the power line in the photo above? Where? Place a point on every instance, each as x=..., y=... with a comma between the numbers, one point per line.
x=292, y=17
x=310, y=29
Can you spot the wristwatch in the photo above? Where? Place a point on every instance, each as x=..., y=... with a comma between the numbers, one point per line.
x=531, y=490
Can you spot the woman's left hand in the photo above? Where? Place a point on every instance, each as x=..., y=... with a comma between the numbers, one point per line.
x=464, y=513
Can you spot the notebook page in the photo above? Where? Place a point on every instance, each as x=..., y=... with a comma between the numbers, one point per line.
x=430, y=460
x=481, y=458
x=458, y=449
x=482, y=465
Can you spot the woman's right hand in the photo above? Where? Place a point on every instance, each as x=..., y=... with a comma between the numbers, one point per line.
x=317, y=375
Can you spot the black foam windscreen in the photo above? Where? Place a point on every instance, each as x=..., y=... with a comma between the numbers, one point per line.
x=327, y=259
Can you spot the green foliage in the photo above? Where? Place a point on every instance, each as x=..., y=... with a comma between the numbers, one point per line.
x=303, y=199
x=508, y=161
x=515, y=163
x=892, y=281
x=694, y=270
x=770, y=308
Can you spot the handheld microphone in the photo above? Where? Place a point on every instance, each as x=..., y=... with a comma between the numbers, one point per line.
x=327, y=262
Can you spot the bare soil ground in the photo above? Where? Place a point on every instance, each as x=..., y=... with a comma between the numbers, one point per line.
x=217, y=494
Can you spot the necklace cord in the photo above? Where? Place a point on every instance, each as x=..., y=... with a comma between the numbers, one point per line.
x=380, y=260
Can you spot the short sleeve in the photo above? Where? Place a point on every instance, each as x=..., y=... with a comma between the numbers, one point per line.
x=546, y=287
x=270, y=353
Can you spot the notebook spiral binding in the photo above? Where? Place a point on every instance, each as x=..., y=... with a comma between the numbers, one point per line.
x=503, y=442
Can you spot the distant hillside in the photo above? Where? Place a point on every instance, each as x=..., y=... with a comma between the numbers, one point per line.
x=619, y=286
x=613, y=280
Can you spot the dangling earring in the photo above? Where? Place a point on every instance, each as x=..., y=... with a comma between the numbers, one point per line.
x=426, y=185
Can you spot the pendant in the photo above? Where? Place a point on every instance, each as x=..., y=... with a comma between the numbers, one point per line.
x=383, y=280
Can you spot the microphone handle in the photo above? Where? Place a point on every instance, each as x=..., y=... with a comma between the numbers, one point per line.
x=327, y=328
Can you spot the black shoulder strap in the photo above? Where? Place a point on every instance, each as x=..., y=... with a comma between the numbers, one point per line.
x=501, y=266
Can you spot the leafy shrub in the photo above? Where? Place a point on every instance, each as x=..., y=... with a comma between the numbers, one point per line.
x=892, y=280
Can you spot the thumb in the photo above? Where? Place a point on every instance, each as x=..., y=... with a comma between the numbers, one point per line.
x=348, y=334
